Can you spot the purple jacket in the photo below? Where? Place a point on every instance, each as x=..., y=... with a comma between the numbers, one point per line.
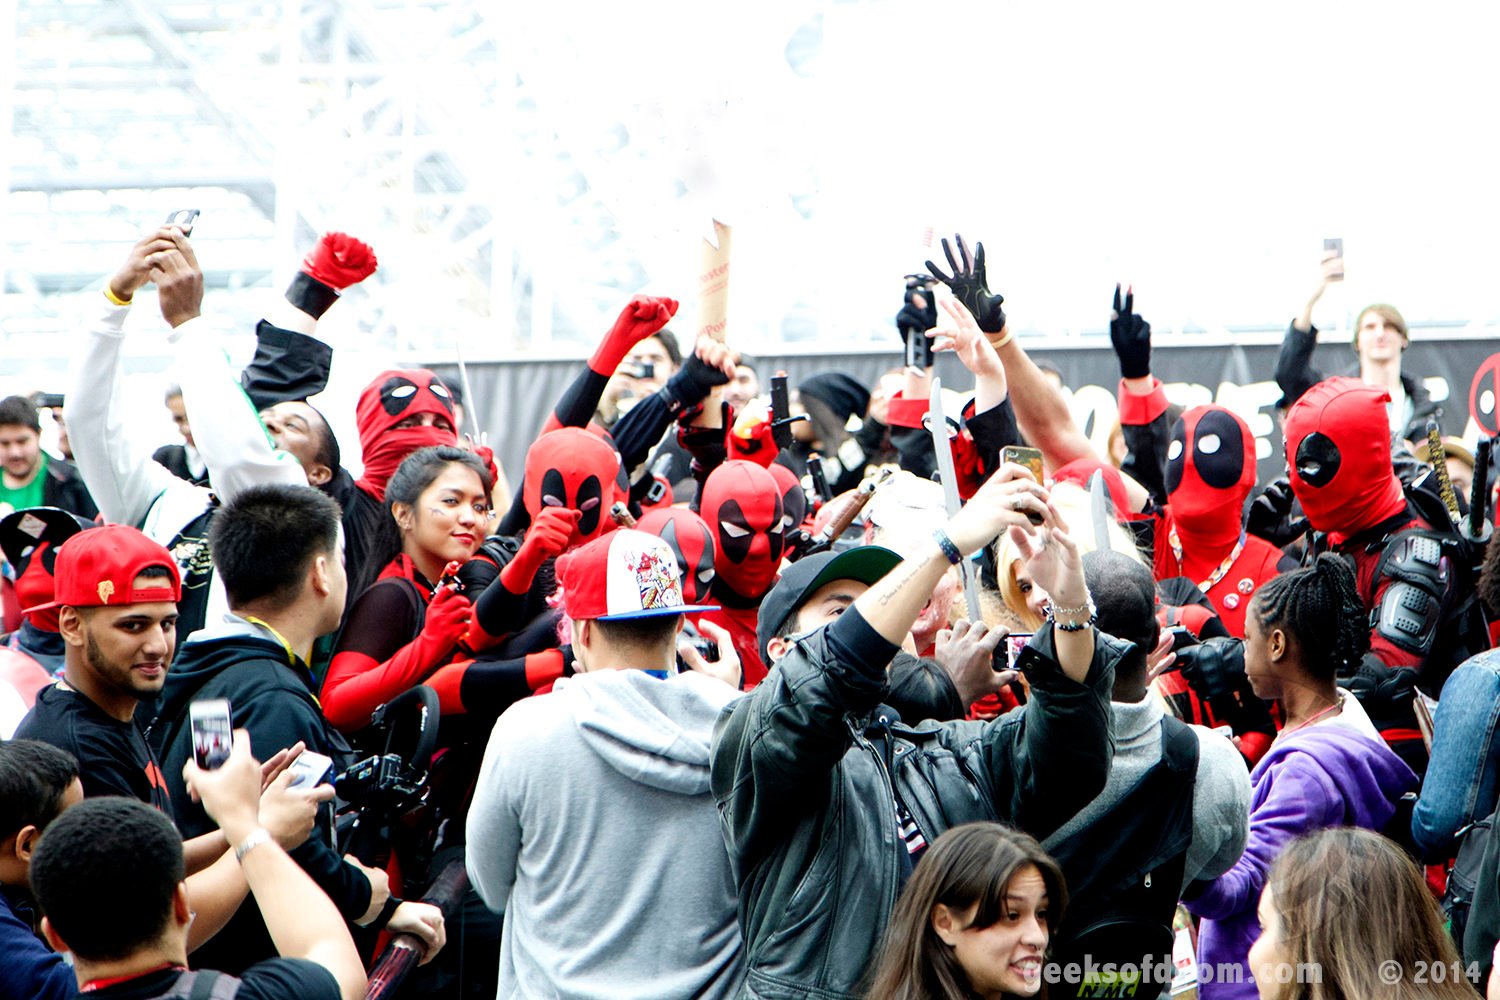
x=1313, y=778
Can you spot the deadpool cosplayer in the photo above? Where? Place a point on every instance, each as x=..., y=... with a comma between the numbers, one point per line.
x=741, y=502
x=692, y=543
x=1413, y=571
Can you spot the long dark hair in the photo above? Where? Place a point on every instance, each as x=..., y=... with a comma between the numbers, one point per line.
x=969, y=864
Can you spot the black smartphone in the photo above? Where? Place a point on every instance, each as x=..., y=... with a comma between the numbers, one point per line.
x=47, y=400
x=918, y=350
x=213, y=732
x=183, y=219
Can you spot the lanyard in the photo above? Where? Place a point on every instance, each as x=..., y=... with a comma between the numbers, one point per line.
x=1217, y=574
x=291, y=655
x=100, y=984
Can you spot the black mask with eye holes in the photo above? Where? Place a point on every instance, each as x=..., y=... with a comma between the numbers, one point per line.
x=397, y=392
x=1318, y=459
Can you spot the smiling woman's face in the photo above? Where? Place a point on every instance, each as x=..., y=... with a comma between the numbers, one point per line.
x=450, y=518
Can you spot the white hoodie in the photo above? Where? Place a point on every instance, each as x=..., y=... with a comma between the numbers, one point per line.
x=594, y=830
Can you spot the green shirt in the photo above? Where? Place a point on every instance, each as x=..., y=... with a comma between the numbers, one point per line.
x=29, y=495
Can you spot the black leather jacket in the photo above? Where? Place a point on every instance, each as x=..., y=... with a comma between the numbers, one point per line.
x=806, y=770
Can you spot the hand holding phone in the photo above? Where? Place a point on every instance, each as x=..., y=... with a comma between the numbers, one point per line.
x=1029, y=459
x=212, y=732
x=310, y=769
x=183, y=218
x=1333, y=259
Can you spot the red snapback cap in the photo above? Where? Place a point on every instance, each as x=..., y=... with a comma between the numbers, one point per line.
x=624, y=574
x=98, y=568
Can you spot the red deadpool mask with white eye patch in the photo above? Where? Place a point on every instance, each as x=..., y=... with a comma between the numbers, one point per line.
x=390, y=398
x=1210, y=467
x=692, y=543
x=577, y=470
x=742, y=505
x=1339, y=457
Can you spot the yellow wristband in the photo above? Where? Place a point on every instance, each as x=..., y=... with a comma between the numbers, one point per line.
x=1009, y=335
x=109, y=293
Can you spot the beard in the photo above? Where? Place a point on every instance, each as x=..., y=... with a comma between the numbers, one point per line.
x=119, y=673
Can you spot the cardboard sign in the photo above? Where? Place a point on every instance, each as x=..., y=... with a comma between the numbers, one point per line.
x=713, y=284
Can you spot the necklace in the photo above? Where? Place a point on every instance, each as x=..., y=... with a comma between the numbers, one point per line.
x=1337, y=704
x=1217, y=574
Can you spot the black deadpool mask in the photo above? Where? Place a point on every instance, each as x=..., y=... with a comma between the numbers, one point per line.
x=742, y=504
x=391, y=398
x=572, y=468
x=1210, y=469
x=793, y=500
x=1339, y=456
x=692, y=543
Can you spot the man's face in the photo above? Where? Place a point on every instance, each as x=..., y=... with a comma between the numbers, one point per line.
x=179, y=417
x=650, y=351
x=127, y=649
x=298, y=430
x=1379, y=340
x=20, y=450
x=744, y=387
x=823, y=607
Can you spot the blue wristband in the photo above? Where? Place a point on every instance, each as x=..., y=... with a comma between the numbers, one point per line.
x=946, y=544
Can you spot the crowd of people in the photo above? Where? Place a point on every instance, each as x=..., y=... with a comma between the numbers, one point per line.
x=745, y=689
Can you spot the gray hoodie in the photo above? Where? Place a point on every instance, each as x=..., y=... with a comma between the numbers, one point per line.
x=593, y=830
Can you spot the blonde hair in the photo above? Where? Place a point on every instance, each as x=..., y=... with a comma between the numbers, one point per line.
x=1073, y=503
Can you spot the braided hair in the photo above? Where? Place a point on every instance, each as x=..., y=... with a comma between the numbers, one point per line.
x=1320, y=607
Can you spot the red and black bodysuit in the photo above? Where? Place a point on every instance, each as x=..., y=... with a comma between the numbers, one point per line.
x=1200, y=474
x=1406, y=565
x=741, y=504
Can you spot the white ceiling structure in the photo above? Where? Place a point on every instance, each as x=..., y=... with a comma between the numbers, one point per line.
x=521, y=169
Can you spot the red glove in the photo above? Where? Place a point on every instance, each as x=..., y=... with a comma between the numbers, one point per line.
x=641, y=317
x=751, y=439
x=548, y=536
x=447, y=620
x=339, y=260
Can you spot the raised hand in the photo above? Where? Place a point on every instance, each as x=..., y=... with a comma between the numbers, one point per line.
x=642, y=316
x=709, y=366
x=967, y=341
x=1131, y=337
x=548, y=537
x=339, y=260
x=178, y=280
x=1270, y=516
x=136, y=271
x=967, y=653
x=969, y=285
x=726, y=668
x=1009, y=498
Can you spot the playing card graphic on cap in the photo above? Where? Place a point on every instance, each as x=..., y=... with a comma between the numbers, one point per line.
x=624, y=574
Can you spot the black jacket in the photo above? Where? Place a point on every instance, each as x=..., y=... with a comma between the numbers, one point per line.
x=806, y=769
x=64, y=488
x=273, y=699
x=1295, y=375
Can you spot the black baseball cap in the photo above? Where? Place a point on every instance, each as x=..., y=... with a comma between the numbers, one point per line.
x=23, y=530
x=866, y=564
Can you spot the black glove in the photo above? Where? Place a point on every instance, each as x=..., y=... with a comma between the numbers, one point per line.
x=1270, y=515
x=692, y=384
x=1131, y=336
x=913, y=322
x=969, y=286
x=1386, y=693
x=706, y=445
x=1213, y=667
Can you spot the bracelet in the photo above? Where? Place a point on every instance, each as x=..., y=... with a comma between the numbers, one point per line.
x=109, y=293
x=950, y=551
x=1088, y=606
x=1009, y=336
x=256, y=837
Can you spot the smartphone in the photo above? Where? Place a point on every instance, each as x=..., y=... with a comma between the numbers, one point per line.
x=213, y=732
x=1334, y=246
x=1014, y=643
x=452, y=581
x=1029, y=458
x=918, y=350
x=310, y=769
x=47, y=400
x=183, y=219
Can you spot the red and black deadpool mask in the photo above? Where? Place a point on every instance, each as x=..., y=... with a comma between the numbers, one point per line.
x=793, y=500
x=742, y=503
x=692, y=543
x=391, y=398
x=30, y=539
x=1339, y=455
x=572, y=468
x=1210, y=467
